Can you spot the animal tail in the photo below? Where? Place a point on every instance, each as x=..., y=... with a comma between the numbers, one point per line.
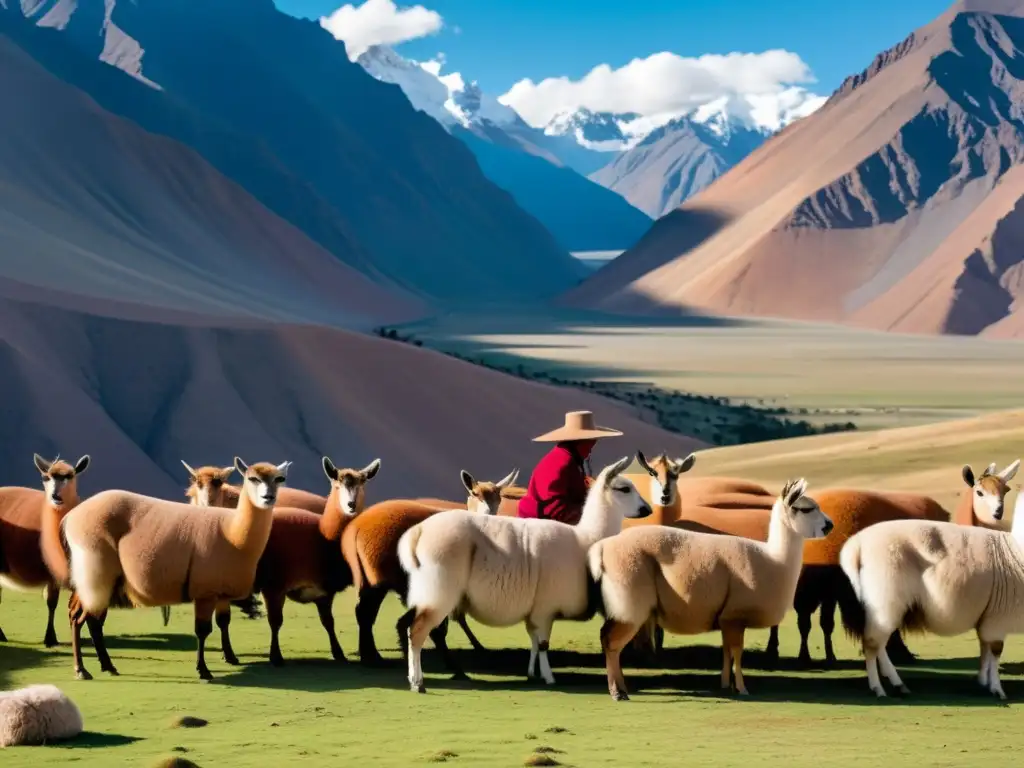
x=407, y=549
x=849, y=592
x=350, y=554
x=595, y=561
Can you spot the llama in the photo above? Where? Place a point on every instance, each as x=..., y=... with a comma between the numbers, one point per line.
x=983, y=506
x=505, y=570
x=481, y=496
x=38, y=714
x=370, y=547
x=696, y=582
x=126, y=547
x=938, y=577
x=302, y=560
x=660, y=484
x=26, y=516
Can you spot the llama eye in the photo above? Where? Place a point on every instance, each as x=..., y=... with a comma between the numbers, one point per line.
x=216, y=483
x=979, y=493
x=278, y=480
x=622, y=490
x=253, y=480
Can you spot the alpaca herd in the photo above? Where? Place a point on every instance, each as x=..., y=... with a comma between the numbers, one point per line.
x=653, y=552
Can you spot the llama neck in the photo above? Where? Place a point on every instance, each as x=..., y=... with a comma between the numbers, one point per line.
x=784, y=545
x=231, y=495
x=248, y=527
x=598, y=520
x=54, y=554
x=333, y=521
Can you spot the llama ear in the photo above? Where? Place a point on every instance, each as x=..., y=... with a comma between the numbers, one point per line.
x=371, y=469
x=191, y=472
x=642, y=461
x=82, y=465
x=1007, y=474
x=329, y=469
x=616, y=469
x=990, y=469
x=685, y=465
x=968, y=475
x=283, y=468
x=467, y=480
x=794, y=490
x=241, y=466
x=41, y=464
x=225, y=472
x=508, y=479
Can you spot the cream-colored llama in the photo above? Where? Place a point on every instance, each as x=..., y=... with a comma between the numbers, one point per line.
x=693, y=582
x=505, y=570
x=156, y=552
x=942, y=578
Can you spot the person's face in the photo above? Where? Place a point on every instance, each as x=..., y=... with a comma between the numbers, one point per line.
x=585, y=447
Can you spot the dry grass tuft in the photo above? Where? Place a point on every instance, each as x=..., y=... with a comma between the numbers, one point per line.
x=187, y=721
x=443, y=756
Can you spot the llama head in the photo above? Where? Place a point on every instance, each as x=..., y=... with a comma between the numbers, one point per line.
x=485, y=496
x=664, y=474
x=208, y=486
x=60, y=479
x=617, y=492
x=801, y=513
x=988, y=492
x=348, y=486
x=261, y=481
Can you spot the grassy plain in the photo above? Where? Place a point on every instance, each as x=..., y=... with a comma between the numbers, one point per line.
x=316, y=712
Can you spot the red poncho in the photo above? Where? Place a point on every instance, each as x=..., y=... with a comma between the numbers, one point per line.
x=557, y=488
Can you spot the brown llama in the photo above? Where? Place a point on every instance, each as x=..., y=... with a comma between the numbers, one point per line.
x=143, y=551
x=302, y=561
x=25, y=513
x=210, y=487
x=370, y=547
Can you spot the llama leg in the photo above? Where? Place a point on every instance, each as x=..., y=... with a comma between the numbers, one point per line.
x=325, y=607
x=52, y=597
x=76, y=618
x=204, y=628
x=223, y=616
x=726, y=665
x=274, y=601
x=615, y=637
x=543, y=635
x=897, y=650
x=871, y=663
x=983, y=668
x=439, y=635
x=827, y=622
x=477, y=645
x=659, y=638
x=404, y=625
x=531, y=667
x=994, y=684
x=95, y=624
x=423, y=621
x=771, y=650
x=803, y=622
x=732, y=636
x=370, y=600
x=890, y=672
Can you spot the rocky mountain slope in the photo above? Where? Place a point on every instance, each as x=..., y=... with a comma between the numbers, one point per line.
x=894, y=206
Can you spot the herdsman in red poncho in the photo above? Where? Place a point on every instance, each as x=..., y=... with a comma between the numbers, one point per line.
x=558, y=485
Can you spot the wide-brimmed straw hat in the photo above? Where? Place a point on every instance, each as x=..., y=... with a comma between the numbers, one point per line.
x=579, y=425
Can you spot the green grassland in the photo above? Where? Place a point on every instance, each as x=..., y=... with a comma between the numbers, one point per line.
x=317, y=712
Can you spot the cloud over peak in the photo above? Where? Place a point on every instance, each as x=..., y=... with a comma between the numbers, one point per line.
x=380, y=22
x=661, y=84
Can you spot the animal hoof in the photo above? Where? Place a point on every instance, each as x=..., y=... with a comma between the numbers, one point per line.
x=232, y=660
x=743, y=692
x=276, y=661
x=204, y=674
x=112, y=671
x=418, y=688
x=82, y=674
x=49, y=641
x=829, y=662
x=460, y=676
x=880, y=693
x=903, y=690
x=804, y=660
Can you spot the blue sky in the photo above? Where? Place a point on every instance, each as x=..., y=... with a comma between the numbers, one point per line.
x=499, y=42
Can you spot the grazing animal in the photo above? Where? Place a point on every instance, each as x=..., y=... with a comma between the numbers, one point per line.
x=149, y=552
x=370, y=547
x=659, y=487
x=937, y=577
x=302, y=560
x=696, y=582
x=38, y=714
x=983, y=505
x=25, y=515
x=504, y=570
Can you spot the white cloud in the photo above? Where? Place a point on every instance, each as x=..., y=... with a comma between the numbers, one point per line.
x=380, y=22
x=660, y=86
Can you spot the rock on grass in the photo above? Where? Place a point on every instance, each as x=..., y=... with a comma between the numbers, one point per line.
x=187, y=721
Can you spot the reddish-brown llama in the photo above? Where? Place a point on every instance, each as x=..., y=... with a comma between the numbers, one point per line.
x=302, y=561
